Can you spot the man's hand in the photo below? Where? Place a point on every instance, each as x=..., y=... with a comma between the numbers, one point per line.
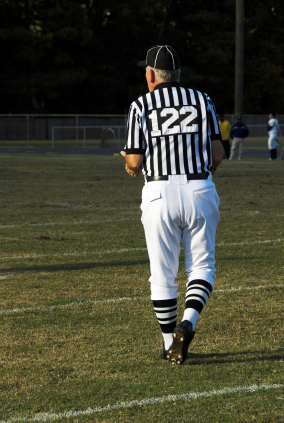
x=133, y=163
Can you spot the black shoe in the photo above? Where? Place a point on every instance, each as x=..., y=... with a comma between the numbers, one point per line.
x=164, y=353
x=183, y=335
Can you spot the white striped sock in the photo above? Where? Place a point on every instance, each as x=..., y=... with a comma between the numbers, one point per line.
x=168, y=340
x=191, y=315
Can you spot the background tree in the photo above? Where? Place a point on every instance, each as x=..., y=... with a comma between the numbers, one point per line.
x=264, y=57
x=79, y=56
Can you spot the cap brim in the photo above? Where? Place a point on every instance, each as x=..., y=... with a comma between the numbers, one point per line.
x=142, y=63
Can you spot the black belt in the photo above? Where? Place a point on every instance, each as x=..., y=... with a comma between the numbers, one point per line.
x=190, y=177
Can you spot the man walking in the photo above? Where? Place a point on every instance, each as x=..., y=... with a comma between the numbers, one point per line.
x=173, y=137
x=272, y=129
x=238, y=133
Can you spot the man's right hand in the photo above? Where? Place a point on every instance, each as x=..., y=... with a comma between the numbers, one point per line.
x=133, y=163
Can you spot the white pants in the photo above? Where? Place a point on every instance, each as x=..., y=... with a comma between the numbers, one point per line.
x=173, y=211
x=272, y=143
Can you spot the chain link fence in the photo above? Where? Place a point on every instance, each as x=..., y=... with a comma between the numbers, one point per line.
x=63, y=131
x=257, y=124
x=75, y=131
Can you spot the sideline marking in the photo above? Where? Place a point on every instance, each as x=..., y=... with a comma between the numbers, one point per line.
x=148, y=401
x=117, y=300
x=126, y=250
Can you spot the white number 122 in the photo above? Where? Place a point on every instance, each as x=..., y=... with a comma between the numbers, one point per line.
x=183, y=127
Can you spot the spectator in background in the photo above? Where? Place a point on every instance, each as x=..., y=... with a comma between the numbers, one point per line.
x=238, y=133
x=272, y=128
x=225, y=129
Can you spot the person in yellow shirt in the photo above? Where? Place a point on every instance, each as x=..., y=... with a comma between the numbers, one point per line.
x=225, y=129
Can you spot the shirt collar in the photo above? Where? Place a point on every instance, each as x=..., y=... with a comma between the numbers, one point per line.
x=167, y=85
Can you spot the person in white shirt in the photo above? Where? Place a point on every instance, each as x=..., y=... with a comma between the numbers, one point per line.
x=272, y=128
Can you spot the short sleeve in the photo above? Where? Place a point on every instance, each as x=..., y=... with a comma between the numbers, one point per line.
x=135, y=143
x=213, y=126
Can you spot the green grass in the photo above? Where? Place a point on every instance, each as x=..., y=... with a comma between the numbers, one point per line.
x=74, y=222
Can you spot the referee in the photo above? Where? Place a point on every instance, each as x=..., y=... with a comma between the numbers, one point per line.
x=173, y=137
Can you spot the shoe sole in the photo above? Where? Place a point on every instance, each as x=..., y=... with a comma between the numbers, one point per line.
x=175, y=354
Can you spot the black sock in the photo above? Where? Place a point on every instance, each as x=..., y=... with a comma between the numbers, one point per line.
x=166, y=312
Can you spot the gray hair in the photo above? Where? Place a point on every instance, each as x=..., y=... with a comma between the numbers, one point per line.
x=166, y=75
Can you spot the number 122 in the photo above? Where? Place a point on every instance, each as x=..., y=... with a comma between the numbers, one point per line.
x=183, y=127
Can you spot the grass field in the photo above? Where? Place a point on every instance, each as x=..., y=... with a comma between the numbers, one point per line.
x=79, y=337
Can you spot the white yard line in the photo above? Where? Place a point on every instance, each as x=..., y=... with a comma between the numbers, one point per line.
x=244, y=162
x=117, y=300
x=123, y=250
x=244, y=288
x=82, y=222
x=250, y=242
x=43, y=417
x=65, y=205
x=74, y=303
x=126, y=250
x=248, y=212
x=78, y=222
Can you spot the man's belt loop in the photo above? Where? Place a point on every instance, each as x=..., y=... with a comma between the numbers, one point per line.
x=190, y=177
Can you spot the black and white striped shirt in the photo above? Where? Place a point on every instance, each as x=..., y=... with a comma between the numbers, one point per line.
x=173, y=128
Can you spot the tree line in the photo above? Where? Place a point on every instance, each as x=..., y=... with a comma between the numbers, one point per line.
x=79, y=56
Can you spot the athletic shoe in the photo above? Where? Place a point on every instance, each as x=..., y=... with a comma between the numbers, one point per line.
x=183, y=335
x=164, y=353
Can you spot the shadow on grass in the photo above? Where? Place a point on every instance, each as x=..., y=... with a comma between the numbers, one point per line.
x=234, y=357
x=84, y=266
x=69, y=267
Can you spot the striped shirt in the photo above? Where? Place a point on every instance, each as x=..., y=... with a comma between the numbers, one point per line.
x=173, y=128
